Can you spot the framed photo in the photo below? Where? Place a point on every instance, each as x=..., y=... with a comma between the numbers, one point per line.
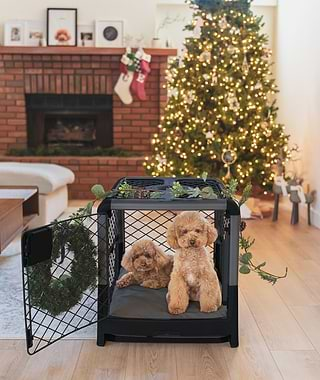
x=62, y=26
x=14, y=33
x=34, y=33
x=109, y=33
x=86, y=35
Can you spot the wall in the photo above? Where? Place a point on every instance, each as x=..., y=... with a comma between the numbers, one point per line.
x=298, y=75
x=178, y=15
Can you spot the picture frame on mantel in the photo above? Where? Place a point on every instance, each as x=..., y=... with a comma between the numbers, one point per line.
x=35, y=33
x=109, y=33
x=62, y=26
x=86, y=35
x=14, y=33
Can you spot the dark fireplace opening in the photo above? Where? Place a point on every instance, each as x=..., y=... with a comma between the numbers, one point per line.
x=84, y=121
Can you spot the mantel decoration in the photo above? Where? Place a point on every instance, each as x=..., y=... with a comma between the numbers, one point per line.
x=109, y=33
x=14, y=33
x=86, y=36
x=62, y=26
x=134, y=71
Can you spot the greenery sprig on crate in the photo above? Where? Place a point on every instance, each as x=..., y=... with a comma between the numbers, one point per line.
x=246, y=257
x=127, y=191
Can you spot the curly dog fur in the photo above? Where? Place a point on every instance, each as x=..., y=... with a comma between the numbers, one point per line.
x=147, y=265
x=193, y=277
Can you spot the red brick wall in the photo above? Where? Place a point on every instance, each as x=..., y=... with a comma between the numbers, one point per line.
x=90, y=170
x=77, y=74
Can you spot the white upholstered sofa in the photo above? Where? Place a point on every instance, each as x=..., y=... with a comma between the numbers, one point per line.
x=52, y=181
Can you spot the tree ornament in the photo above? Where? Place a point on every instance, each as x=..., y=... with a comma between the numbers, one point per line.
x=258, y=86
x=229, y=157
x=205, y=56
x=267, y=53
x=178, y=132
x=206, y=77
x=209, y=135
x=173, y=92
x=245, y=65
x=233, y=101
x=190, y=97
x=264, y=124
x=234, y=31
x=231, y=49
x=198, y=27
x=161, y=160
x=223, y=23
x=169, y=77
x=214, y=79
x=182, y=56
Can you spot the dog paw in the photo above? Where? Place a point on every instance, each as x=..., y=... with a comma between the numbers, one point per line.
x=122, y=284
x=150, y=284
x=208, y=308
x=176, y=310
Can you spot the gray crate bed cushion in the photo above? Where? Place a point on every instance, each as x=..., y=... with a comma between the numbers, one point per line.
x=138, y=302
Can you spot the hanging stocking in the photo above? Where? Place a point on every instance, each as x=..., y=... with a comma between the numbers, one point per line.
x=141, y=74
x=122, y=87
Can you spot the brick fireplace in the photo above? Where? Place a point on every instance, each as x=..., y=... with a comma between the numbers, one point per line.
x=27, y=73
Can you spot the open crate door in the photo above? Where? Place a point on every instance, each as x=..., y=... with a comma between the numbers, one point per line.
x=62, y=290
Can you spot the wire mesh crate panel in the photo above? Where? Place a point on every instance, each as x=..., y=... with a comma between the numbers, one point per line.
x=113, y=237
x=45, y=327
x=153, y=225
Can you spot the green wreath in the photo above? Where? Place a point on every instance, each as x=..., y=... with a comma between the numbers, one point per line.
x=58, y=295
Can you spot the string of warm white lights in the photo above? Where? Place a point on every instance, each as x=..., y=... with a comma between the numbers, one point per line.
x=221, y=100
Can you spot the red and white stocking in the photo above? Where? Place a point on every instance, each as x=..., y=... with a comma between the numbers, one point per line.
x=141, y=75
x=122, y=87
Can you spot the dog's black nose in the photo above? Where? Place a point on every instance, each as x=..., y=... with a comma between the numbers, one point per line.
x=192, y=242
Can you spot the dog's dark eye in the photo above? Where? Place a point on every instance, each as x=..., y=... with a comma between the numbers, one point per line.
x=198, y=231
x=147, y=255
x=184, y=232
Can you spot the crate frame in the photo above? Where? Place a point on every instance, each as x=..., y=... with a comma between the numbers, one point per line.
x=110, y=234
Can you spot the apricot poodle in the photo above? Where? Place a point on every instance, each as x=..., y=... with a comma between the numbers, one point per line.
x=147, y=265
x=193, y=276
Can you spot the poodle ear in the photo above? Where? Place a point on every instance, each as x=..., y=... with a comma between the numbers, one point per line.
x=212, y=234
x=162, y=259
x=127, y=262
x=172, y=237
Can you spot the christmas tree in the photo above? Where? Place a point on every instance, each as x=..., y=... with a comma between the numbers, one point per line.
x=221, y=113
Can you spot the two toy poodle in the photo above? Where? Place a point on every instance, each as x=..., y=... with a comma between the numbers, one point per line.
x=189, y=275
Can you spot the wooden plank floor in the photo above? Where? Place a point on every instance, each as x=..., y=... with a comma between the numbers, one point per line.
x=279, y=329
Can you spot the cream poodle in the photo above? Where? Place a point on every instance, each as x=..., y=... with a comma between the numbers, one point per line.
x=193, y=277
x=147, y=265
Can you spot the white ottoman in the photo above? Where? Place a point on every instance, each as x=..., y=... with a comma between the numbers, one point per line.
x=52, y=181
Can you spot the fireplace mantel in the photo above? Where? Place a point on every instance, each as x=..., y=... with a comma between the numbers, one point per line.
x=42, y=71
x=68, y=50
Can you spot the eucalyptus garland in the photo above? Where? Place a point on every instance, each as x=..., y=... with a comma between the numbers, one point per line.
x=56, y=293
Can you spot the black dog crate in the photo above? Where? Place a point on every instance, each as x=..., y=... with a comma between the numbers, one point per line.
x=132, y=314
